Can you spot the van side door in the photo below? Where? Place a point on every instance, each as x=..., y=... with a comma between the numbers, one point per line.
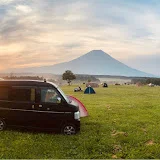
x=22, y=98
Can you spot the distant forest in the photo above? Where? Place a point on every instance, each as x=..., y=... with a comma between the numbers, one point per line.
x=83, y=78
x=86, y=78
x=155, y=81
x=23, y=77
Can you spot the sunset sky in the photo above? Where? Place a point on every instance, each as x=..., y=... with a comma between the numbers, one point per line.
x=46, y=32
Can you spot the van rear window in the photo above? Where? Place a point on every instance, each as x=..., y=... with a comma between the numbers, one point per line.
x=4, y=93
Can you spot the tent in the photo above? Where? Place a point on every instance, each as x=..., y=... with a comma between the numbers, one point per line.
x=92, y=84
x=105, y=85
x=138, y=84
x=89, y=90
x=151, y=85
x=82, y=109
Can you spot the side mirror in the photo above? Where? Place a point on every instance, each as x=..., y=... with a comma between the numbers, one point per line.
x=59, y=100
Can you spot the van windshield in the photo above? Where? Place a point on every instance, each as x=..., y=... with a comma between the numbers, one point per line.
x=62, y=93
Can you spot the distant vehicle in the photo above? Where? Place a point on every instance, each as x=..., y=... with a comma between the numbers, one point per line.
x=37, y=104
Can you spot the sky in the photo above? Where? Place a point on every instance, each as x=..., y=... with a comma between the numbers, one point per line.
x=46, y=32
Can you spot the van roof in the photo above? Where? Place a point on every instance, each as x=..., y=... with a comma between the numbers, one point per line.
x=28, y=83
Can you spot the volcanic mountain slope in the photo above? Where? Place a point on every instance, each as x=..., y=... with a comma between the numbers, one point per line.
x=95, y=62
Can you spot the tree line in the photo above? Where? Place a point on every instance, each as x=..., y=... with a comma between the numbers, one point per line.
x=145, y=81
x=23, y=77
x=69, y=76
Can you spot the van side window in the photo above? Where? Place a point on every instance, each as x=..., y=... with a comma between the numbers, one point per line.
x=4, y=92
x=23, y=94
x=49, y=95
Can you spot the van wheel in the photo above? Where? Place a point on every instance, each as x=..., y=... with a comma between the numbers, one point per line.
x=68, y=129
x=2, y=125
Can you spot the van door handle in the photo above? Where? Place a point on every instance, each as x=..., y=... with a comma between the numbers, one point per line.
x=40, y=105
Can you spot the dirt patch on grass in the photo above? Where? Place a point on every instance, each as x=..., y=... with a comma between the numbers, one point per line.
x=117, y=148
x=108, y=107
x=114, y=156
x=150, y=142
x=116, y=133
x=144, y=130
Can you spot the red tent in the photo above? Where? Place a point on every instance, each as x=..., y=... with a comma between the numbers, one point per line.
x=82, y=109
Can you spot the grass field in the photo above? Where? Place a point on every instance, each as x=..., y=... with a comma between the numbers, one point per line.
x=123, y=122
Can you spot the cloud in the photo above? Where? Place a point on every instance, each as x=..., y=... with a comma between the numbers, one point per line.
x=38, y=31
x=6, y=2
x=23, y=8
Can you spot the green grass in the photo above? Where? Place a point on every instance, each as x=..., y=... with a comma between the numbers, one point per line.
x=123, y=122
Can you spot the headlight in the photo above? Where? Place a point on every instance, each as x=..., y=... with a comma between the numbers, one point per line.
x=77, y=115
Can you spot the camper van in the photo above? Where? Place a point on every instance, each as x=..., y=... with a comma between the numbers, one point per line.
x=37, y=104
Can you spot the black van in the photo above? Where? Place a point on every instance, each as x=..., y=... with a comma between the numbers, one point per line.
x=37, y=104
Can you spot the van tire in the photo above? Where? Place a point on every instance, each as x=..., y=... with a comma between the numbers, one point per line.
x=68, y=129
x=2, y=125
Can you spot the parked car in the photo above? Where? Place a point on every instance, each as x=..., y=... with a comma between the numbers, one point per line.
x=37, y=104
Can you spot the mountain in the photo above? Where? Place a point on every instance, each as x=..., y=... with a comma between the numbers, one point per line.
x=95, y=62
x=149, y=63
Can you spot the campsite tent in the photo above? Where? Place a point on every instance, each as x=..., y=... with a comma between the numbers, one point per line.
x=105, y=85
x=151, y=85
x=92, y=84
x=89, y=90
x=138, y=84
x=82, y=108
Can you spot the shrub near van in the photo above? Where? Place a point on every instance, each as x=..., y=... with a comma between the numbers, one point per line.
x=37, y=104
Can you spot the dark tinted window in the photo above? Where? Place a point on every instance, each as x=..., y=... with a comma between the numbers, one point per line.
x=4, y=93
x=23, y=94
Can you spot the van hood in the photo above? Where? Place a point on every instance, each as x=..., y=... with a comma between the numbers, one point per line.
x=74, y=103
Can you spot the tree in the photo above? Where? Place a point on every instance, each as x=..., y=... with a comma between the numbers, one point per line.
x=68, y=76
